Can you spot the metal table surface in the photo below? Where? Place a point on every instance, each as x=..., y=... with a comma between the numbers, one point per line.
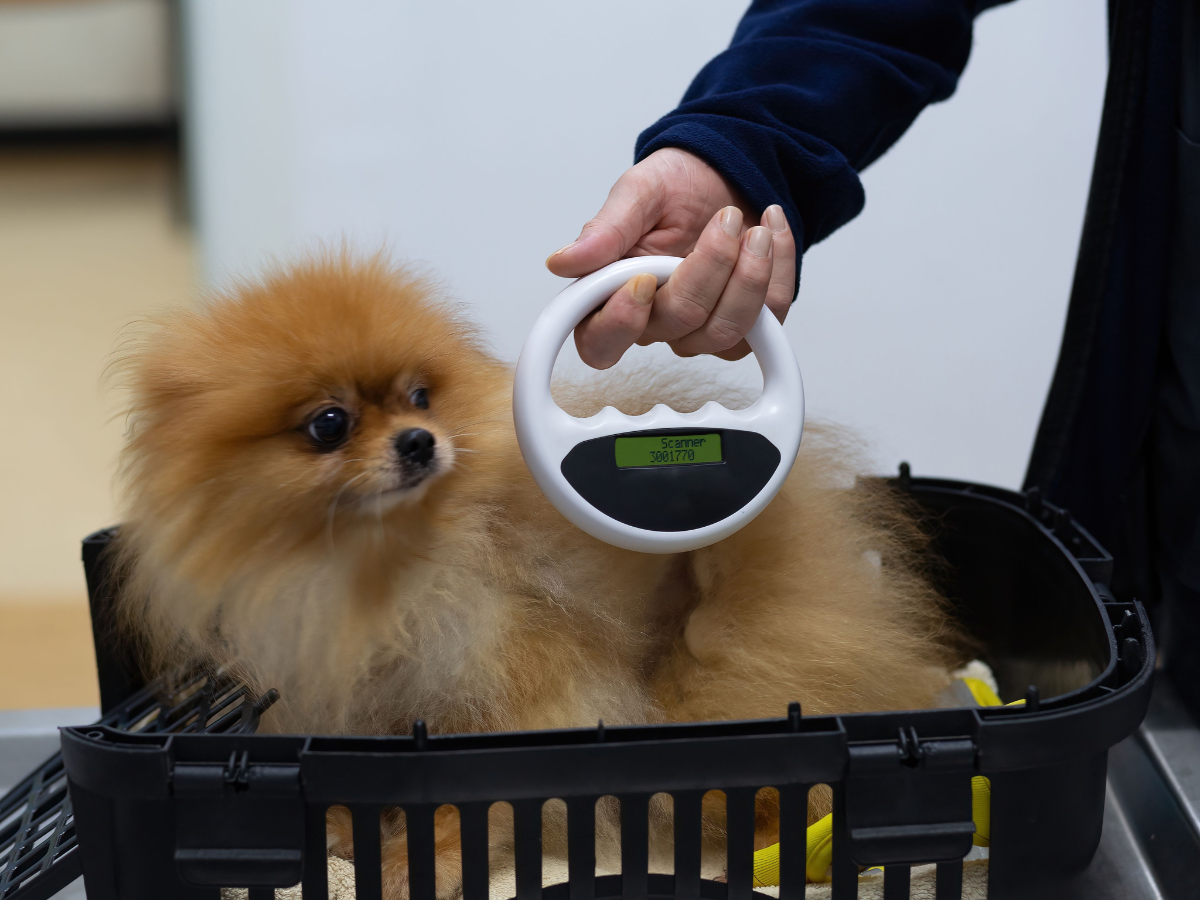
x=1150, y=848
x=27, y=738
x=1151, y=842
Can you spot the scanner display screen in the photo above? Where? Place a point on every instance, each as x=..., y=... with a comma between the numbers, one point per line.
x=668, y=450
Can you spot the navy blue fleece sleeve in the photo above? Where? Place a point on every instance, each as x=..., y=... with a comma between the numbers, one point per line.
x=810, y=92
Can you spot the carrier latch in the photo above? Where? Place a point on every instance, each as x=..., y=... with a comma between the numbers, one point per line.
x=253, y=810
x=908, y=801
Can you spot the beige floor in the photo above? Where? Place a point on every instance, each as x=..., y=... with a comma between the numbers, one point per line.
x=88, y=243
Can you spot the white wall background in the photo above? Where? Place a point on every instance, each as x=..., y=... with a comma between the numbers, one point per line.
x=476, y=138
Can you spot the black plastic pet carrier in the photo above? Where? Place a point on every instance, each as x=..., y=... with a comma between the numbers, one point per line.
x=164, y=812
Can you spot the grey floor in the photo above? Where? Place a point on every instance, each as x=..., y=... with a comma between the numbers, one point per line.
x=1150, y=848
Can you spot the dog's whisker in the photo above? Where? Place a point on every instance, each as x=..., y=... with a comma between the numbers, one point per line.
x=379, y=534
x=333, y=506
x=480, y=422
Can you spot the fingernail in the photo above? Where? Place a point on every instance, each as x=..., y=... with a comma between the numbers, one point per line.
x=731, y=221
x=645, y=286
x=562, y=250
x=758, y=241
x=775, y=219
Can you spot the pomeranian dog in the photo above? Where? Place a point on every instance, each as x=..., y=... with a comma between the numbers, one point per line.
x=323, y=493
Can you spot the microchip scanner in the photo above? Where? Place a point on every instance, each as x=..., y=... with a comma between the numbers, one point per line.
x=665, y=481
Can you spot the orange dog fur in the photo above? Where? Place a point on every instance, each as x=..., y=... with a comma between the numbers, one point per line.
x=372, y=590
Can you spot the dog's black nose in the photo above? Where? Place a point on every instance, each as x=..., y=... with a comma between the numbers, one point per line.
x=415, y=446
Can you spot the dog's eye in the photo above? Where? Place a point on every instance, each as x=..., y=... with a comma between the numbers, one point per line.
x=330, y=427
x=419, y=398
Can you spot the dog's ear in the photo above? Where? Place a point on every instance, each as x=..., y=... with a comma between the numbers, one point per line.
x=165, y=381
x=156, y=361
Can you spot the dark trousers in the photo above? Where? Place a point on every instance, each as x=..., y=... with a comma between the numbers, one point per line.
x=1175, y=437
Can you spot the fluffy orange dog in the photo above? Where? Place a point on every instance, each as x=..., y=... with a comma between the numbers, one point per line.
x=323, y=491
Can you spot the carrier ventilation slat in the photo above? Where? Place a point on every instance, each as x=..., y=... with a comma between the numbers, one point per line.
x=635, y=846
x=315, y=881
x=473, y=824
x=949, y=881
x=793, y=833
x=739, y=818
x=527, y=838
x=896, y=882
x=581, y=847
x=368, y=865
x=688, y=808
x=845, y=872
x=422, y=852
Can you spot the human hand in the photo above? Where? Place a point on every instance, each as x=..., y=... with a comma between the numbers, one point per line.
x=673, y=203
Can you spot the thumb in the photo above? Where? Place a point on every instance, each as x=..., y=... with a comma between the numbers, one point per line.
x=633, y=207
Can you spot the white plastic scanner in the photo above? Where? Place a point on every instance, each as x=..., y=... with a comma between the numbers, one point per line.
x=662, y=482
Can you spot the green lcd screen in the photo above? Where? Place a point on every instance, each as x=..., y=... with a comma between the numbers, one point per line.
x=668, y=450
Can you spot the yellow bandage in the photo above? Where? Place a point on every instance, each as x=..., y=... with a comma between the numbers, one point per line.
x=984, y=695
x=981, y=810
x=819, y=858
x=766, y=866
x=819, y=855
x=981, y=787
x=982, y=692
